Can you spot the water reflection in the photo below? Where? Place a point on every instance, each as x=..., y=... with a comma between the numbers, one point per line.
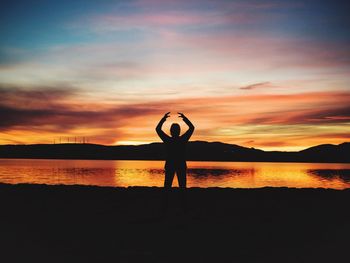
x=151, y=173
x=212, y=172
x=330, y=174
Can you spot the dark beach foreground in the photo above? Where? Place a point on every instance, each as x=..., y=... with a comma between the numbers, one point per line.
x=42, y=223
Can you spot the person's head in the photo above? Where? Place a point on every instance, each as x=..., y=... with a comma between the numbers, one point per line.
x=175, y=130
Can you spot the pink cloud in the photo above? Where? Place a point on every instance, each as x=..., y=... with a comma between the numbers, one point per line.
x=264, y=84
x=247, y=50
x=171, y=19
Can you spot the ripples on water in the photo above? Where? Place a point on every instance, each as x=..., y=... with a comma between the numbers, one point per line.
x=343, y=175
x=151, y=173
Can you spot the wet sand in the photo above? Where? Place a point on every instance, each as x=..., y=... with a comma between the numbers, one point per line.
x=41, y=223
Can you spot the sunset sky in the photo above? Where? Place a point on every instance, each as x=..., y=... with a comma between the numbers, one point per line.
x=273, y=75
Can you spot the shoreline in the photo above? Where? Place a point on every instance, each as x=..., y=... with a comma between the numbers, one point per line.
x=159, y=160
x=160, y=188
x=59, y=223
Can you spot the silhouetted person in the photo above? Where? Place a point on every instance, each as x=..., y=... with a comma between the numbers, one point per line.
x=175, y=146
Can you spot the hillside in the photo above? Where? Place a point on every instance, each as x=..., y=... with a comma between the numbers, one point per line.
x=196, y=150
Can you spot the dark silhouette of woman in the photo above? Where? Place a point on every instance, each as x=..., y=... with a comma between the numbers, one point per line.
x=175, y=150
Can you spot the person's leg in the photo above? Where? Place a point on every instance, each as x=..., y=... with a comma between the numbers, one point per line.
x=169, y=176
x=181, y=177
x=168, y=181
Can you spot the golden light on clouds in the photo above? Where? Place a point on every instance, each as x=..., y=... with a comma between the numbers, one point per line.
x=244, y=72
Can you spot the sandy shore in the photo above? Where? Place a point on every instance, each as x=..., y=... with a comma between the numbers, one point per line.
x=42, y=223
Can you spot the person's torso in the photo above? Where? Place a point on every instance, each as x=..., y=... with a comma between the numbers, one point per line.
x=176, y=150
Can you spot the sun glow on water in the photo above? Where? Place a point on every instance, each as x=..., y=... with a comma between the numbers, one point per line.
x=151, y=173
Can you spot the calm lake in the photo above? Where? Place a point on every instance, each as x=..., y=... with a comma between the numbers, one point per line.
x=150, y=173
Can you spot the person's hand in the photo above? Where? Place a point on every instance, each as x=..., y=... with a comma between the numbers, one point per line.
x=166, y=115
x=181, y=115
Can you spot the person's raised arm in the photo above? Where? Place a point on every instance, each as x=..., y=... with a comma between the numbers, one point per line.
x=159, y=130
x=187, y=135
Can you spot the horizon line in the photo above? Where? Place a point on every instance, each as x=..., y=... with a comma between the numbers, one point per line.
x=118, y=145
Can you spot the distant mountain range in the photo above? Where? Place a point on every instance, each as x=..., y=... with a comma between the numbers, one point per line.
x=196, y=151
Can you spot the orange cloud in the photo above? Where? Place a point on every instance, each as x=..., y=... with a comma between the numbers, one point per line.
x=266, y=120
